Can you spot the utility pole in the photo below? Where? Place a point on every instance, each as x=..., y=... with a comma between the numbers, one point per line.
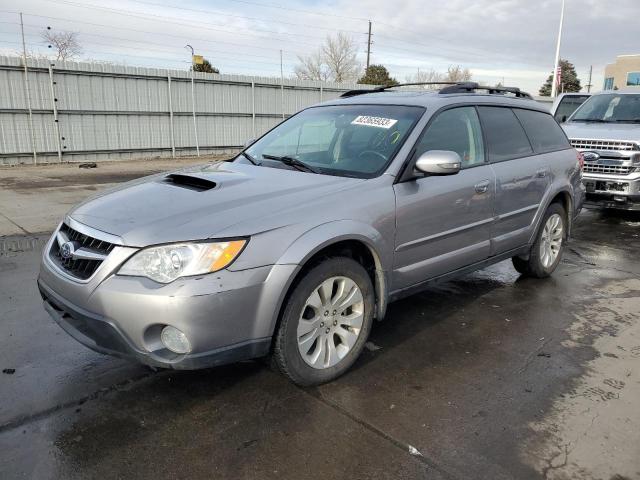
x=193, y=102
x=589, y=85
x=281, y=85
x=28, y=92
x=554, y=84
x=368, y=46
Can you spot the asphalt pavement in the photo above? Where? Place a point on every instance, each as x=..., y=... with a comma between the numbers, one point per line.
x=489, y=376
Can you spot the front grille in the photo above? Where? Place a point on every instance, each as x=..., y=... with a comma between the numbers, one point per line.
x=609, y=169
x=615, y=145
x=80, y=268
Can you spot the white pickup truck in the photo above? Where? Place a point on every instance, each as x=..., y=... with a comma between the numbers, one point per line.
x=606, y=129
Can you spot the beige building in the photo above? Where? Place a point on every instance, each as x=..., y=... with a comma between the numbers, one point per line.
x=624, y=73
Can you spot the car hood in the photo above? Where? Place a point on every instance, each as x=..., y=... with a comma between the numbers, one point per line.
x=214, y=200
x=603, y=131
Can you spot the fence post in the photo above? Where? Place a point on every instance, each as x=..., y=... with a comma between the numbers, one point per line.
x=54, y=106
x=173, y=139
x=28, y=94
x=193, y=104
x=320, y=92
x=253, y=110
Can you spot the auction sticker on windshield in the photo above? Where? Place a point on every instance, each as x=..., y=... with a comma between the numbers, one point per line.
x=379, y=122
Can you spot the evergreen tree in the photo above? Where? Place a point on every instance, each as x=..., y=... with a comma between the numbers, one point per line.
x=377, y=75
x=569, y=80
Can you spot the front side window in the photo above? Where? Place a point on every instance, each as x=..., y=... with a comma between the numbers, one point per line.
x=543, y=131
x=504, y=133
x=347, y=140
x=568, y=104
x=609, y=108
x=458, y=130
x=633, y=79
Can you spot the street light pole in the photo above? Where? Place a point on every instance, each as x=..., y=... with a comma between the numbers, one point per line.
x=554, y=84
x=193, y=102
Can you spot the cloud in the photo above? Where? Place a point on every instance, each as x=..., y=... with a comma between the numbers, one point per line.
x=514, y=39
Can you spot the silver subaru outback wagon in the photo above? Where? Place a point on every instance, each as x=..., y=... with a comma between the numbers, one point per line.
x=294, y=247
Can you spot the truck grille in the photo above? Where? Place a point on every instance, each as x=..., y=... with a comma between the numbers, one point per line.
x=615, y=145
x=76, y=267
x=609, y=169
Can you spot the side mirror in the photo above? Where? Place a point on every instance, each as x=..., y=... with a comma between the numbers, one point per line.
x=249, y=142
x=439, y=162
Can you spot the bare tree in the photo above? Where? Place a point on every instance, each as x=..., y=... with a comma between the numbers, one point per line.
x=424, y=76
x=340, y=55
x=455, y=73
x=65, y=45
x=312, y=67
x=336, y=60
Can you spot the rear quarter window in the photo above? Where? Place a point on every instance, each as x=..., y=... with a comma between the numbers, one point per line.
x=505, y=136
x=543, y=131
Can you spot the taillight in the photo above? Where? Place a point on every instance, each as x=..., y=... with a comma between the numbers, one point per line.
x=580, y=159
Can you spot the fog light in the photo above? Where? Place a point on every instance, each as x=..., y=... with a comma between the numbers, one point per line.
x=175, y=340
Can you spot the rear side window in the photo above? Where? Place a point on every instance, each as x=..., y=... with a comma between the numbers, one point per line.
x=504, y=134
x=543, y=131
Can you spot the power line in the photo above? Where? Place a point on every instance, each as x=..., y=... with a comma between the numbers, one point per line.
x=217, y=12
x=163, y=34
x=209, y=53
x=160, y=18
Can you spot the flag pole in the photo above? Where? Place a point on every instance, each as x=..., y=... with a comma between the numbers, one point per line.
x=554, y=84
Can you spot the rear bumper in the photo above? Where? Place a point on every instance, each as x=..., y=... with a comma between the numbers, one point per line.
x=102, y=335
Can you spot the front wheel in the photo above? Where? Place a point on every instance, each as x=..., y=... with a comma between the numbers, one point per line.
x=325, y=323
x=546, y=251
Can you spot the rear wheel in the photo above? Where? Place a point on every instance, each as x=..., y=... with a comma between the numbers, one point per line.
x=325, y=323
x=546, y=251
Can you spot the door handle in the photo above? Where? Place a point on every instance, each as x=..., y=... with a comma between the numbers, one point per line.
x=542, y=172
x=482, y=187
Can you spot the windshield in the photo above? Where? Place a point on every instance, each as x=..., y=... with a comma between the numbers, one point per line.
x=609, y=108
x=346, y=140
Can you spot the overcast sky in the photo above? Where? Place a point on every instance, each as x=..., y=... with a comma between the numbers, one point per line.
x=510, y=39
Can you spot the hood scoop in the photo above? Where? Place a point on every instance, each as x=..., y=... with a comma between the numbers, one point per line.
x=198, y=184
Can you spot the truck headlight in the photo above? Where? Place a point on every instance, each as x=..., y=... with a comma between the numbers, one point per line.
x=165, y=263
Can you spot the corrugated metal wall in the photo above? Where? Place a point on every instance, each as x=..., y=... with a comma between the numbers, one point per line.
x=119, y=112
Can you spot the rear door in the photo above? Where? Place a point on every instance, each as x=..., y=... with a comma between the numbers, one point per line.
x=522, y=176
x=443, y=222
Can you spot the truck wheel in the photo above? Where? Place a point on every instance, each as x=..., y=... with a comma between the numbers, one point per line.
x=325, y=322
x=546, y=251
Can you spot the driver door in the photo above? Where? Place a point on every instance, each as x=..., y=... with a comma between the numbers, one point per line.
x=443, y=222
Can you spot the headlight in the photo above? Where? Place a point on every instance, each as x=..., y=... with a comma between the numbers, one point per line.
x=167, y=262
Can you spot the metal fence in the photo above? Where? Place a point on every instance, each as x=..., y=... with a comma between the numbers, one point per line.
x=87, y=111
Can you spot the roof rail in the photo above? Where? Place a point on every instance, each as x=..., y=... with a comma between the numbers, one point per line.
x=471, y=87
x=452, y=87
x=353, y=93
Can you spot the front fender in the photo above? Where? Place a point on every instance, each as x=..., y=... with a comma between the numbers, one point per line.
x=313, y=241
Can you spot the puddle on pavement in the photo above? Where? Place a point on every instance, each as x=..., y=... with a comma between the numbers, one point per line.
x=591, y=431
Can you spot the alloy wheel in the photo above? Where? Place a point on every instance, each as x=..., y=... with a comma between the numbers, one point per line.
x=330, y=322
x=551, y=240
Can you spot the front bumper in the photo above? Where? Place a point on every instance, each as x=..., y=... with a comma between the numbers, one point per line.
x=607, y=191
x=228, y=315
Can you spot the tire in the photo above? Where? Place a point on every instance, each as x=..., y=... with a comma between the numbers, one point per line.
x=542, y=262
x=309, y=326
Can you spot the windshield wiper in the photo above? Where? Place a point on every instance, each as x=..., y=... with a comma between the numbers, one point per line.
x=591, y=120
x=292, y=162
x=250, y=158
x=628, y=120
